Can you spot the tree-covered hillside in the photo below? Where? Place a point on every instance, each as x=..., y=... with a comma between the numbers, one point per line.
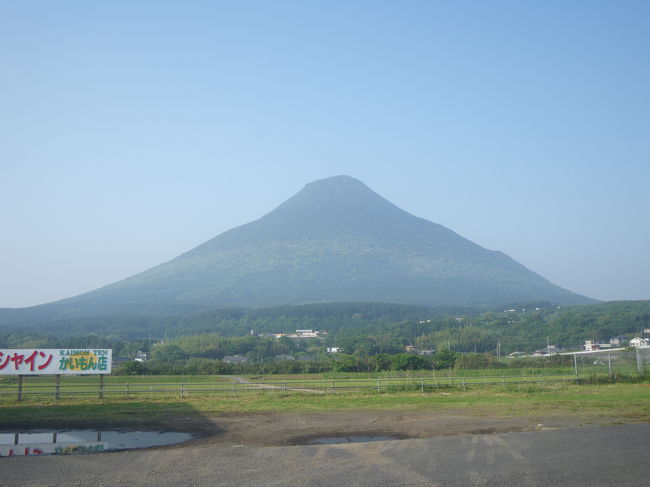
x=363, y=329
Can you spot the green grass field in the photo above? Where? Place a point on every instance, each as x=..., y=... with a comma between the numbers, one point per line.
x=629, y=402
x=143, y=400
x=36, y=389
x=40, y=388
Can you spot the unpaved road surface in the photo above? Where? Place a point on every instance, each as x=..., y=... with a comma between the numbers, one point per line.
x=435, y=448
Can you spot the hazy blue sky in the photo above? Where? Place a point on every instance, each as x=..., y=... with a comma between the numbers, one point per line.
x=132, y=131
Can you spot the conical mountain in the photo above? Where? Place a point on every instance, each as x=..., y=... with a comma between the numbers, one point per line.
x=336, y=240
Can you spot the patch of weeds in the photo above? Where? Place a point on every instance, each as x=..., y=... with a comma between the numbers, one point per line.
x=532, y=388
x=441, y=387
x=616, y=377
x=427, y=388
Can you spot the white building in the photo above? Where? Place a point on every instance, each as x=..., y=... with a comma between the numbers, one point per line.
x=235, y=359
x=141, y=356
x=593, y=346
x=637, y=342
x=306, y=334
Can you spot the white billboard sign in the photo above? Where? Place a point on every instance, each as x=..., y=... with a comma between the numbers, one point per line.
x=64, y=361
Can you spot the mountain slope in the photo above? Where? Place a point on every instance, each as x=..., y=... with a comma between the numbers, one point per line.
x=336, y=240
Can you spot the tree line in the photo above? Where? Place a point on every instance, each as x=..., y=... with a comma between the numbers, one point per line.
x=370, y=335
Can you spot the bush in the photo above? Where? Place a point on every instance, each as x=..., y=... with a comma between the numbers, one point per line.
x=470, y=361
x=407, y=361
x=131, y=368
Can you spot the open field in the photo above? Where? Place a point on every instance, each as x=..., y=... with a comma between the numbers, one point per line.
x=36, y=391
x=39, y=387
x=625, y=401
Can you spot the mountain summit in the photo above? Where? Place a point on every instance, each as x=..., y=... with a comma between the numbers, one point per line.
x=335, y=240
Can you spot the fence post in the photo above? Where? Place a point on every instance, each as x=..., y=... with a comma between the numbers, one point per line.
x=333, y=389
x=422, y=385
x=182, y=391
x=57, y=395
x=378, y=386
x=20, y=387
x=126, y=391
x=575, y=365
x=609, y=364
x=101, y=386
x=639, y=365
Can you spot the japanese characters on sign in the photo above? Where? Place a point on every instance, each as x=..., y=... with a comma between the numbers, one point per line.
x=37, y=361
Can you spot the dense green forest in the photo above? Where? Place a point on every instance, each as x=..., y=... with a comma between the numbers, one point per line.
x=240, y=321
x=371, y=336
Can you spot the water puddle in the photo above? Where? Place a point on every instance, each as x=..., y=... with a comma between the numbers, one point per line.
x=338, y=440
x=74, y=442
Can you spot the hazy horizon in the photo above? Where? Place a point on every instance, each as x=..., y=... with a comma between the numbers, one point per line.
x=133, y=132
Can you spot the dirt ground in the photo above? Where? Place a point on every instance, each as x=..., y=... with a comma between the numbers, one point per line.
x=279, y=429
x=434, y=448
x=297, y=428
